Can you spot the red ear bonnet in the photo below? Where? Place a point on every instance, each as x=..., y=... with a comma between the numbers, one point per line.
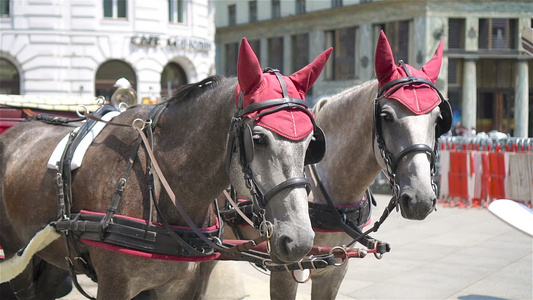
x=419, y=98
x=256, y=86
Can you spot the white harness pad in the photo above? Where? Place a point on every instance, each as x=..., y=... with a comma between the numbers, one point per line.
x=79, y=153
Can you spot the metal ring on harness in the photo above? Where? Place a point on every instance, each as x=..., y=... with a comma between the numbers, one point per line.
x=81, y=115
x=122, y=106
x=344, y=252
x=143, y=122
x=302, y=269
x=216, y=240
x=266, y=228
x=100, y=100
x=376, y=254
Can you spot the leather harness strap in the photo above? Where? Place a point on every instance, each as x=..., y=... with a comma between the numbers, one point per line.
x=349, y=227
x=180, y=208
x=101, y=228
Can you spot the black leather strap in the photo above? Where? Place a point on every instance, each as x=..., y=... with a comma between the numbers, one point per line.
x=413, y=148
x=295, y=181
x=353, y=231
x=283, y=85
x=138, y=235
x=323, y=218
x=273, y=102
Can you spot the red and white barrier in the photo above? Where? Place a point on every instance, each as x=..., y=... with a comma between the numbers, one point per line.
x=475, y=171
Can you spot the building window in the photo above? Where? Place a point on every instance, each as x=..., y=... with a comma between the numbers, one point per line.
x=336, y=3
x=175, y=11
x=496, y=81
x=300, y=7
x=173, y=76
x=341, y=65
x=276, y=9
x=4, y=8
x=252, y=11
x=108, y=74
x=9, y=78
x=231, y=56
x=456, y=33
x=115, y=9
x=455, y=72
x=300, y=51
x=398, y=36
x=275, y=53
x=498, y=34
x=232, y=14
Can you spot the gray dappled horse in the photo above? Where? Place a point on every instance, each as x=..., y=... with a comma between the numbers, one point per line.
x=189, y=143
x=401, y=125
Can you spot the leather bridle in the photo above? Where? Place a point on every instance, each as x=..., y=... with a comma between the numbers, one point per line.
x=392, y=161
x=240, y=137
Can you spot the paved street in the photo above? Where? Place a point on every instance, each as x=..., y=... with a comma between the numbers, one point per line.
x=455, y=253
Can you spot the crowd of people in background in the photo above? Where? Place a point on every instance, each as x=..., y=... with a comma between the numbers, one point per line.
x=459, y=130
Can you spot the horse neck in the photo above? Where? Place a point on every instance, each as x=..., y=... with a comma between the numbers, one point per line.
x=191, y=144
x=349, y=166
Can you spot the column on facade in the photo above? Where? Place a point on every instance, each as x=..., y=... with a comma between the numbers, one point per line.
x=521, y=100
x=287, y=55
x=469, y=101
x=220, y=63
x=263, y=46
x=316, y=47
x=365, y=50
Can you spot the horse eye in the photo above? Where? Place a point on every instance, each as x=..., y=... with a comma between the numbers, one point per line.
x=386, y=116
x=259, y=139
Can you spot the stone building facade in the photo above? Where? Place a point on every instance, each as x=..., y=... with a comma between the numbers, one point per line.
x=486, y=74
x=80, y=48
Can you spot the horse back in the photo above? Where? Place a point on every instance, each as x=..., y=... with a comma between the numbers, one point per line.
x=27, y=188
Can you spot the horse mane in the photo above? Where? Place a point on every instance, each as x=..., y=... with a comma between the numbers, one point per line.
x=365, y=87
x=193, y=90
x=365, y=90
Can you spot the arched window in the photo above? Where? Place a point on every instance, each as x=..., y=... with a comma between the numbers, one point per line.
x=9, y=78
x=173, y=75
x=108, y=74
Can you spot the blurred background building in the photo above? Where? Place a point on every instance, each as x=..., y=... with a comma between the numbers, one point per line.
x=74, y=48
x=486, y=74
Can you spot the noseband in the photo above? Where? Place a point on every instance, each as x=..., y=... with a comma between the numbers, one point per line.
x=240, y=136
x=392, y=161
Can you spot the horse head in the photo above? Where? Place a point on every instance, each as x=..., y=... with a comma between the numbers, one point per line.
x=410, y=114
x=273, y=134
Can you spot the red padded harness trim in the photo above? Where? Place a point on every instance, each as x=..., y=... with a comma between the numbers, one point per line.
x=150, y=255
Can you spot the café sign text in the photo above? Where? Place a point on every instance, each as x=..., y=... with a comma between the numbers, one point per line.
x=185, y=43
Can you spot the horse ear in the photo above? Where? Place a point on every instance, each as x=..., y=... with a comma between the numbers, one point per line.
x=384, y=61
x=249, y=71
x=306, y=77
x=432, y=67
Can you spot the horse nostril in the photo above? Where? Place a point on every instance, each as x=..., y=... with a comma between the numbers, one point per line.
x=291, y=249
x=415, y=208
x=406, y=201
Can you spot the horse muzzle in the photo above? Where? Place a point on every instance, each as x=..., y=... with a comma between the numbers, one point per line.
x=417, y=205
x=292, y=235
x=291, y=246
